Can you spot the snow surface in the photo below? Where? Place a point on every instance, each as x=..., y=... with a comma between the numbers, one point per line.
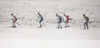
x=27, y=35
x=31, y=37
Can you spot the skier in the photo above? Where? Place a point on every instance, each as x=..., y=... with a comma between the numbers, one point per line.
x=86, y=23
x=14, y=20
x=60, y=20
x=67, y=21
x=41, y=19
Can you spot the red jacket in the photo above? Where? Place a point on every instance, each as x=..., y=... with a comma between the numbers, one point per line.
x=67, y=17
x=15, y=18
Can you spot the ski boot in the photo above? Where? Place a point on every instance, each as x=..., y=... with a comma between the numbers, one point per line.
x=60, y=27
x=65, y=26
x=40, y=27
x=13, y=26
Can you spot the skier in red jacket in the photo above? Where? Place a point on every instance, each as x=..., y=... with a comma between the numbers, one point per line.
x=67, y=21
x=14, y=20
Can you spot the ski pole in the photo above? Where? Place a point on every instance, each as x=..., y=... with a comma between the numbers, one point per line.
x=18, y=23
x=44, y=24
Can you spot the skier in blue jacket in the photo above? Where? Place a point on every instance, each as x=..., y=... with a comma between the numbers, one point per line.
x=60, y=20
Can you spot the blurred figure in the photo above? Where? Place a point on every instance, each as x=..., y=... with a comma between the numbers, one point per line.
x=60, y=20
x=86, y=23
x=41, y=19
x=14, y=20
x=67, y=21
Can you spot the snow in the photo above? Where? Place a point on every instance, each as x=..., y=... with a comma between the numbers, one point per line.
x=34, y=43
x=27, y=35
x=50, y=33
x=31, y=43
x=31, y=37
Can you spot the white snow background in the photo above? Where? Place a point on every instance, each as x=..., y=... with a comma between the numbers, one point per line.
x=27, y=35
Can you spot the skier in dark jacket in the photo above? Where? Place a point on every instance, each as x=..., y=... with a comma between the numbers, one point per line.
x=86, y=23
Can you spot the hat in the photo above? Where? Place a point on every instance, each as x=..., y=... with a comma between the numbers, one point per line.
x=11, y=13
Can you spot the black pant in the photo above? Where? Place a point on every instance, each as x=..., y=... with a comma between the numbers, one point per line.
x=86, y=24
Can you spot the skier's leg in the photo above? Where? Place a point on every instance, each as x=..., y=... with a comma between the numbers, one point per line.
x=58, y=25
x=65, y=23
x=84, y=25
x=68, y=23
x=87, y=25
x=14, y=23
x=40, y=23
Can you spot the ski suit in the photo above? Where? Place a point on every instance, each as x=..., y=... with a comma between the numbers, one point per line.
x=41, y=19
x=59, y=22
x=67, y=17
x=86, y=23
x=15, y=19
